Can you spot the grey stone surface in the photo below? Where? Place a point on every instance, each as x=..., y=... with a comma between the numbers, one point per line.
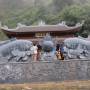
x=44, y=71
x=16, y=49
x=76, y=47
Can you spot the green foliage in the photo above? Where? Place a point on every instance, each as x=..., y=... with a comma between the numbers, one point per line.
x=2, y=36
x=59, y=4
x=75, y=14
x=84, y=34
x=72, y=14
x=52, y=12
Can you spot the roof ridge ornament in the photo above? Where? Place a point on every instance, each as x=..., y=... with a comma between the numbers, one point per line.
x=20, y=25
x=80, y=24
x=63, y=23
x=41, y=23
x=5, y=27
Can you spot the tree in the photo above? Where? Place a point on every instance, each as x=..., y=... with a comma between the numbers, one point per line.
x=75, y=14
x=72, y=14
x=11, y=4
x=60, y=4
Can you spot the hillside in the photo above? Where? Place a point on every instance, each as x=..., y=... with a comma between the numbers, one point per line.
x=12, y=5
x=19, y=4
x=31, y=11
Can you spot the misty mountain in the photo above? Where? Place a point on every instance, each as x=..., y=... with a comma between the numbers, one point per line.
x=20, y=4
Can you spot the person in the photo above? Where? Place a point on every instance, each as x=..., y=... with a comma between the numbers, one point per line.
x=58, y=54
x=39, y=51
x=57, y=47
x=61, y=51
x=34, y=49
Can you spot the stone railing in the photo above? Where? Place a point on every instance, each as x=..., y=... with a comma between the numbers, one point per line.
x=44, y=71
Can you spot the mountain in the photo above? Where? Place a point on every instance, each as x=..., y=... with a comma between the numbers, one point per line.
x=81, y=1
x=19, y=4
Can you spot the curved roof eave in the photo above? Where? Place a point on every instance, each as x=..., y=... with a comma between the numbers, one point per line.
x=44, y=28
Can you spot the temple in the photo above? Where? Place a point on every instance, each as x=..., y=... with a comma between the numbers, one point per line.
x=36, y=33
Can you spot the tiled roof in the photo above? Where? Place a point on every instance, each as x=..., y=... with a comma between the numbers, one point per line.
x=43, y=28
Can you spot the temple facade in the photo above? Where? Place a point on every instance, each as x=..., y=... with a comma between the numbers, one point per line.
x=36, y=33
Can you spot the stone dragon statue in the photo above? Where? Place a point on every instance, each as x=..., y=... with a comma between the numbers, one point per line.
x=16, y=49
x=77, y=48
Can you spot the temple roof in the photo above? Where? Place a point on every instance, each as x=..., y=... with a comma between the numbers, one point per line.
x=43, y=28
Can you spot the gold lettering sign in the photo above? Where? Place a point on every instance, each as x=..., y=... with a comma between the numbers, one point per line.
x=40, y=34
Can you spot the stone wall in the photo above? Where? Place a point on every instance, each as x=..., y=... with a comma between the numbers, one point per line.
x=44, y=71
